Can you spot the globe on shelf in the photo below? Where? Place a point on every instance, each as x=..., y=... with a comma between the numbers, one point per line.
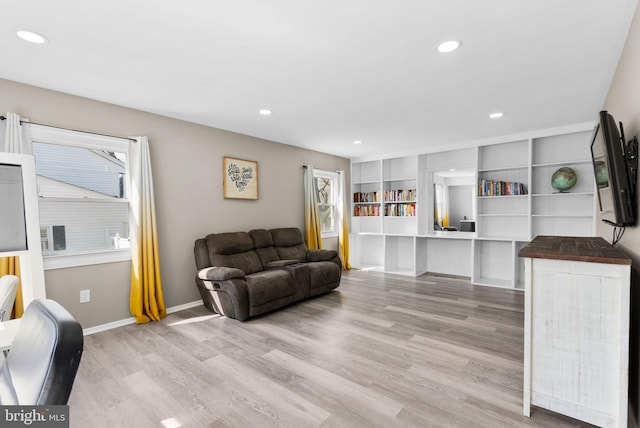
x=564, y=179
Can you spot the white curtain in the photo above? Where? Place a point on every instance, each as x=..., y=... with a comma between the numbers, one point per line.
x=146, y=300
x=16, y=137
x=312, y=228
x=343, y=222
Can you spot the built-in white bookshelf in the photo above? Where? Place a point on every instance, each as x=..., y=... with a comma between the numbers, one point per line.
x=513, y=201
x=562, y=213
x=366, y=198
x=400, y=197
x=503, y=190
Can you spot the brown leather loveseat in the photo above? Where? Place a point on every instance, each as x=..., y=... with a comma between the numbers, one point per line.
x=245, y=274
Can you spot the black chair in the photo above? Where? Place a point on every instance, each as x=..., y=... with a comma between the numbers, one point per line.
x=44, y=357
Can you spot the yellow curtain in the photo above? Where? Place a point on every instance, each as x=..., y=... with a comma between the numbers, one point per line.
x=11, y=266
x=311, y=218
x=343, y=222
x=146, y=301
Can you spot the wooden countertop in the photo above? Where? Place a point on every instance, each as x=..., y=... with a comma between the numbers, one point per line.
x=581, y=249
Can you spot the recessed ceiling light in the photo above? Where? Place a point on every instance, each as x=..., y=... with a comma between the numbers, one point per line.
x=452, y=169
x=357, y=142
x=496, y=115
x=265, y=112
x=32, y=37
x=449, y=46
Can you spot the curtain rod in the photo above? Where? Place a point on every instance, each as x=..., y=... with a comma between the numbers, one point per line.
x=307, y=166
x=75, y=130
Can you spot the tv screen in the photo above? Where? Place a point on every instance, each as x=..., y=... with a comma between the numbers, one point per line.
x=613, y=183
x=13, y=228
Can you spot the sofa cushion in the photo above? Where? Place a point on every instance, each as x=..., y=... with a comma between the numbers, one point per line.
x=289, y=243
x=323, y=273
x=264, y=246
x=233, y=250
x=266, y=286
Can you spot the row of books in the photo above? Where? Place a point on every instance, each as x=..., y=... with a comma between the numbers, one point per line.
x=400, y=210
x=389, y=196
x=391, y=210
x=363, y=197
x=366, y=210
x=400, y=195
x=500, y=188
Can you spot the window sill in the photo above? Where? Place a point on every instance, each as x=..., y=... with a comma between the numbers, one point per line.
x=85, y=259
x=329, y=235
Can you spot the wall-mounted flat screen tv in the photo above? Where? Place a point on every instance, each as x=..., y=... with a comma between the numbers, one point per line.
x=615, y=177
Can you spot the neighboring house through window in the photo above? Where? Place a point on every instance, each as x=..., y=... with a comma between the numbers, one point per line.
x=83, y=198
x=326, y=183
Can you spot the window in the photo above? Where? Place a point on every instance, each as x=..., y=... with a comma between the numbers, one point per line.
x=326, y=186
x=83, y=198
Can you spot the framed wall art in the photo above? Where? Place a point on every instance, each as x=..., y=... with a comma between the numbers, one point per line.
x=239, y=178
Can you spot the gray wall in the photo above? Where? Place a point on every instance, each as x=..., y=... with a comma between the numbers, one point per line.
x=623, y=102
x=460, y=204
x=187, y=167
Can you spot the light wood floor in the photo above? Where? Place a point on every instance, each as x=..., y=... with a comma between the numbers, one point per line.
x=380, y=351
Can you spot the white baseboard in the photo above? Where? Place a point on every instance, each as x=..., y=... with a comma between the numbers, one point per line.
x=132, y=320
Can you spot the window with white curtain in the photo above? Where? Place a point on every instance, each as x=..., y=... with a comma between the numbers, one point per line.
x=83, y=196
x=326, y=185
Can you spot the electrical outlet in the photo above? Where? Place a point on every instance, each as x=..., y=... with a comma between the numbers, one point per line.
x=85, y=296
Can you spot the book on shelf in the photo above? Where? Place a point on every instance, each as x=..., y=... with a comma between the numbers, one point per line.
x=366, y=210
x=400, y=195
x=400, y=210
x=501, y=188
x=365, y=197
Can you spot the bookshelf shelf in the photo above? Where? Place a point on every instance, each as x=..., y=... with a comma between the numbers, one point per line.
x=505, y=214
x=506, y=168
x=562, y=215
x=502, y=197
x=561, y=164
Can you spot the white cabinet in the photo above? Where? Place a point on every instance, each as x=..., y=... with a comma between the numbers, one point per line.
x=514, y=202
x=495, y=263
x=577, y=329
x=367, y=251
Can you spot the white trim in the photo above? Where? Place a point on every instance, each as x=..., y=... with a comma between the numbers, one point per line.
x=65, y=137
x=60, y=261
x=132, y=320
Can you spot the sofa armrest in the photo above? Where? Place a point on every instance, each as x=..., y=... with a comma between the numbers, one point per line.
x=224, y=290
x=220, y=273
x=321, y=255
x=278, y=264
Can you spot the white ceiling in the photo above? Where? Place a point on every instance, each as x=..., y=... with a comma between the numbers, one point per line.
x=332, y=71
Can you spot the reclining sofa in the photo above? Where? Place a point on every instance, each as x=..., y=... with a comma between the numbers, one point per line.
x=245, y=274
